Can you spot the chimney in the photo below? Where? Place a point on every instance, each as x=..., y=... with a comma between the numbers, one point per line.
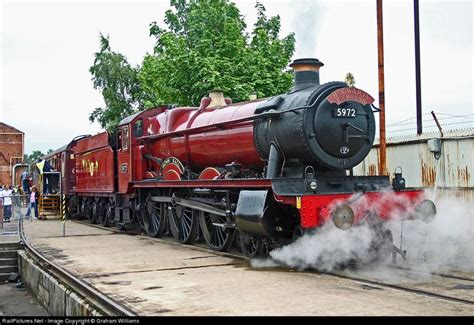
x=306, y=72
x=217, y=98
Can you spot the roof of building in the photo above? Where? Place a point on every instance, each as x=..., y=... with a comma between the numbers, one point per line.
x=15, y=130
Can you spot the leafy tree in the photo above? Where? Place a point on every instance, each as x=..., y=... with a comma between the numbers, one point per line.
x=205, y=47
x=270, y=55
x=35, y=155
x=118, y=82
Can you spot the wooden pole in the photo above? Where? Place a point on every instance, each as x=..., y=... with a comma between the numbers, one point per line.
x=383, y=145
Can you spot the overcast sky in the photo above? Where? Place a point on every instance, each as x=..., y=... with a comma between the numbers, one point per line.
x=48, y=47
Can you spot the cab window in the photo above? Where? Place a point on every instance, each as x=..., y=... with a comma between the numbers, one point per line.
x=125, y=138
x=119, y=139
x=138, y=128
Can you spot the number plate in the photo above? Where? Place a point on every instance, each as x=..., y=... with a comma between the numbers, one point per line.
x=344, y=112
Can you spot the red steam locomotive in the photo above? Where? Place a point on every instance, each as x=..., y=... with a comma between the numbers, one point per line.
x=268, y=169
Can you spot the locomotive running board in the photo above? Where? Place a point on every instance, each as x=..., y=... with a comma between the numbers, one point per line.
x=251, y=183
x=189, y=204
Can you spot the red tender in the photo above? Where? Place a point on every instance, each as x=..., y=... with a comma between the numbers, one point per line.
x=94, y=165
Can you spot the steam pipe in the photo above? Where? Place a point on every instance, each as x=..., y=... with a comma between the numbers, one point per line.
x=274, y=162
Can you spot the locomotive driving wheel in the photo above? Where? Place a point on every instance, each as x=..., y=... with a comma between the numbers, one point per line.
x=83, y=208
x=108, y=213
x=251, y=246
x=102, y=214
x=92, y=214
x=217, y=236
x=183, y=223
x=154, y=218
x=72, y=207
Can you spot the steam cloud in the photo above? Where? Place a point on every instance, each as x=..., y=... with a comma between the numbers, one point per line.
x=326, y=249
x=305, y=25
x=446, y=243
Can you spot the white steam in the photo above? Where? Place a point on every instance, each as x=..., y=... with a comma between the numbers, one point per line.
x=326, y=249
x=446, y=243
x=306, y=26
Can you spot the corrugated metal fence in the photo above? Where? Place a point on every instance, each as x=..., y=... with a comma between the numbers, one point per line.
x=453, y=172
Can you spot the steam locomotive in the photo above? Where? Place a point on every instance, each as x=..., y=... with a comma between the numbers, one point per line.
x=267, y=170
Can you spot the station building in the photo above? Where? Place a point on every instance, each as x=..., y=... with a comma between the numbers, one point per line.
x=11, y=151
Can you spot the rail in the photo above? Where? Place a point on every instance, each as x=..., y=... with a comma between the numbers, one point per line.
x=339, y=274
x=93, y=296
x=403, y=287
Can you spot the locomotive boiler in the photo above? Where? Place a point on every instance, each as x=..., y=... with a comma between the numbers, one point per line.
x=268, y=170
x=305, y=126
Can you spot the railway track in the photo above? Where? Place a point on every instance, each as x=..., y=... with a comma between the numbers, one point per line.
x=433, y=284
x=94, y=297
x=441, y=291
x=415, y=287
x=442, y=274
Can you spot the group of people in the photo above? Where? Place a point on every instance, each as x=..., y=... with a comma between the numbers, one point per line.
x=11, y=195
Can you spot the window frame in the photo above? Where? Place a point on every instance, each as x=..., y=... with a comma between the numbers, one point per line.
x=135, y=128
x=125, y=138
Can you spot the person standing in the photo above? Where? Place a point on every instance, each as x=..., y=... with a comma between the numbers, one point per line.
x=1, y=203
x=7, y=203
x=25, y=182
x=33, y=203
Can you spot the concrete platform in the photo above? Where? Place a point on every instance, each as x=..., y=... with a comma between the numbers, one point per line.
x=18, y=302
x=14, y=301
x=154, y=277
x=9, y=232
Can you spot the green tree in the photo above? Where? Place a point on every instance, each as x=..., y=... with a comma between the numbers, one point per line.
x=270, y=56
x=118, y=82
x=205, y=47
x=35, y=155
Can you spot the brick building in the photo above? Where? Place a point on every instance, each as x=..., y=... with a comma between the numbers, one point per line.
x=11, y=151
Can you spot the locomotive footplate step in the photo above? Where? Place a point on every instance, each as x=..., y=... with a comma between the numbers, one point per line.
x=159, y=277
x=402, y=253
